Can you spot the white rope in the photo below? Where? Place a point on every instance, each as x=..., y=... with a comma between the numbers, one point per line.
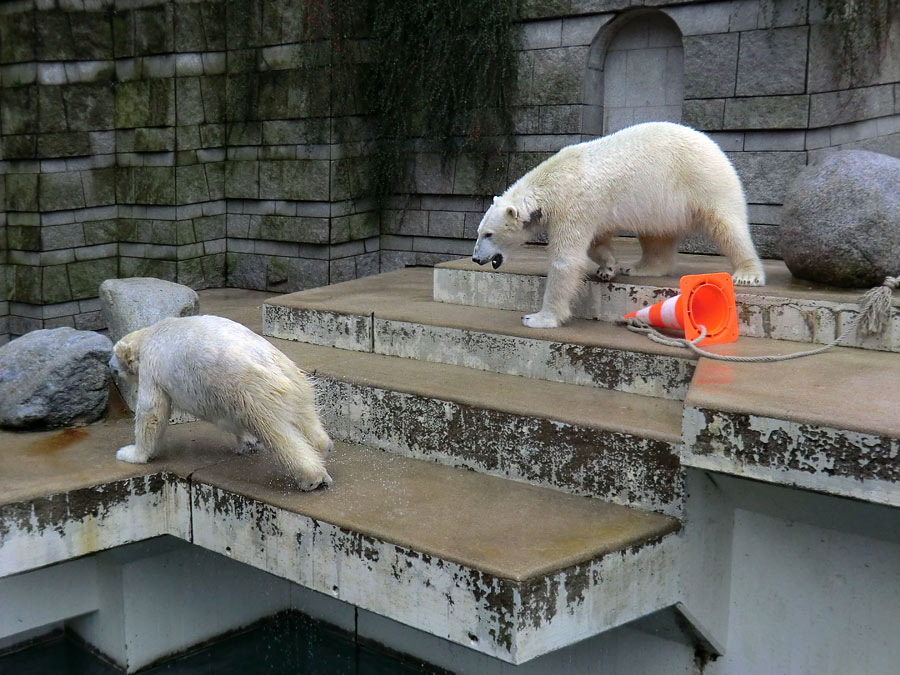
x=874, y=312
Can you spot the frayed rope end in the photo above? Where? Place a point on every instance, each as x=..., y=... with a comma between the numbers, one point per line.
x=875, y=307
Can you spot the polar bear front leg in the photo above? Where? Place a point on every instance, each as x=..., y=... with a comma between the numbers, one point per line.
x=564, y=279
x=151, y=417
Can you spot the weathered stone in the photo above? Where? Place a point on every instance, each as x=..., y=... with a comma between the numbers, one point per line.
x=70, y=235
x=710, y=63
x=66, y=144
x=90, y=107
x=200, y=27
x=154, y=185
x=145, y=103
x=19, y=110
x=766, y=175
x=841, y=220
x=557, y=75
x=772, y=62
x=55, y=284
x=299, y=179
x=51, y=112
x=767, y=112
x=100, y=232
x=246, y=270
x=85, y=277
x=840, y=107
x=18, y=147
x=190, y=184
x=21, y=191
x=130, y=304
x=54, y=378
x=16, y=37
x=158, y=139
x=99, y=187
x=295, y=274
x=60, y=191
x=242, y=179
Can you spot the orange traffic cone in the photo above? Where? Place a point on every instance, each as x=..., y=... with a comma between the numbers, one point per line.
x=705, y=300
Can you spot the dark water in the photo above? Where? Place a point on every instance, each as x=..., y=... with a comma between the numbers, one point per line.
x=288, y=644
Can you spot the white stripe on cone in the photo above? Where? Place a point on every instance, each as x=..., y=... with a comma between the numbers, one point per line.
x=668, y=315
x=643, y=314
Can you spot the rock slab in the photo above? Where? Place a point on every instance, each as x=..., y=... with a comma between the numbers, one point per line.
x=841, y=220
x=54, y=378
x=138, y=302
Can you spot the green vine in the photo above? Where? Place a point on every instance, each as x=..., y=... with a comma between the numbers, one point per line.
x=434, y=70
x=863, y=28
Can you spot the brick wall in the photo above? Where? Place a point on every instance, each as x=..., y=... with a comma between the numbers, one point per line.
x=206, y=142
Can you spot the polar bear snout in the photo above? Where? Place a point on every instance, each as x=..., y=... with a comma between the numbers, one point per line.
x=496, y=260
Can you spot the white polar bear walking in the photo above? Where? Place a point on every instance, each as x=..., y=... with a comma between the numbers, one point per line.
x=223, y=373
x=658, y=180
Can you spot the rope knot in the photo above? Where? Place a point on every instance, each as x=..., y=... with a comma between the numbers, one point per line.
x=891, y=282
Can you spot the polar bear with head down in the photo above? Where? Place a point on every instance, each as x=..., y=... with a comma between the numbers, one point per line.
x=658, y=180
x=223, y=373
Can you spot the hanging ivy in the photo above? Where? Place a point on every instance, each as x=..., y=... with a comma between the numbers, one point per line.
x=440, y=71
x=863, y=28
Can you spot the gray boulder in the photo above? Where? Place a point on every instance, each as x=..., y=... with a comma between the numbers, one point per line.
x=138, y=302
x=54, y=378
x=130, y=304
x=841, y=220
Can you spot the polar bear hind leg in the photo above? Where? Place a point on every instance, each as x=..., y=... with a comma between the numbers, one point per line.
x=601, y=253
x=657, y=258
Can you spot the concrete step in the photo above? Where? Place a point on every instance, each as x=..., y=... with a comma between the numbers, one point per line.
x=784, y=309
x=595, y=442
x=394, y=314
x=829, y=423
x=447, y=551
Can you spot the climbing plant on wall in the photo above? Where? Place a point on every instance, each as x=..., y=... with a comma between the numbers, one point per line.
x=863, y=31
x=435, y=70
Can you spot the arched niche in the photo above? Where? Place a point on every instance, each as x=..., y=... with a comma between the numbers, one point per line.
x=635, y=73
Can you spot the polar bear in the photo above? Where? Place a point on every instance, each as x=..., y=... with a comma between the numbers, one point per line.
x=658, y=180
x=223, y=373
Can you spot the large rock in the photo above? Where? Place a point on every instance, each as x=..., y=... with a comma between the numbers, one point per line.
x=130, y=304
x=841, y=220
x=54, y=378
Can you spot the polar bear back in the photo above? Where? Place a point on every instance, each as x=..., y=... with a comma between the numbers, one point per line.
x=651, y=178
x=209, y=364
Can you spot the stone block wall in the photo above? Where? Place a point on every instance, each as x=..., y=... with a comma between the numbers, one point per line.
x=207, y=141
x=765, y=78
x=193, y=141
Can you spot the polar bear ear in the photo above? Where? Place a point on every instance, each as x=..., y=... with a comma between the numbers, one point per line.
x=512, y=212
x=496, y=199
x=126, y=354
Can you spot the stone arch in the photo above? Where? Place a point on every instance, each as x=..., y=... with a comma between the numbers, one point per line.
x=635, y=73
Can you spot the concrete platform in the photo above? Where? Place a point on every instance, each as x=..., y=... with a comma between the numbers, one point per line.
x=784, y=309
x=595, y=442
x=829, y=423
x=395, y=314
x=448, y=551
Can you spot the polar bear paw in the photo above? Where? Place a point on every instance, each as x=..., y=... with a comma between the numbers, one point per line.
x=606, y=272
x=748, y=276
x=130, y=453
x=312, y=482
x=540, y=320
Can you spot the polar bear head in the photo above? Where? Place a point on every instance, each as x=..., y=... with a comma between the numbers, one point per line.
x=502, y=227
x=125, y=359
